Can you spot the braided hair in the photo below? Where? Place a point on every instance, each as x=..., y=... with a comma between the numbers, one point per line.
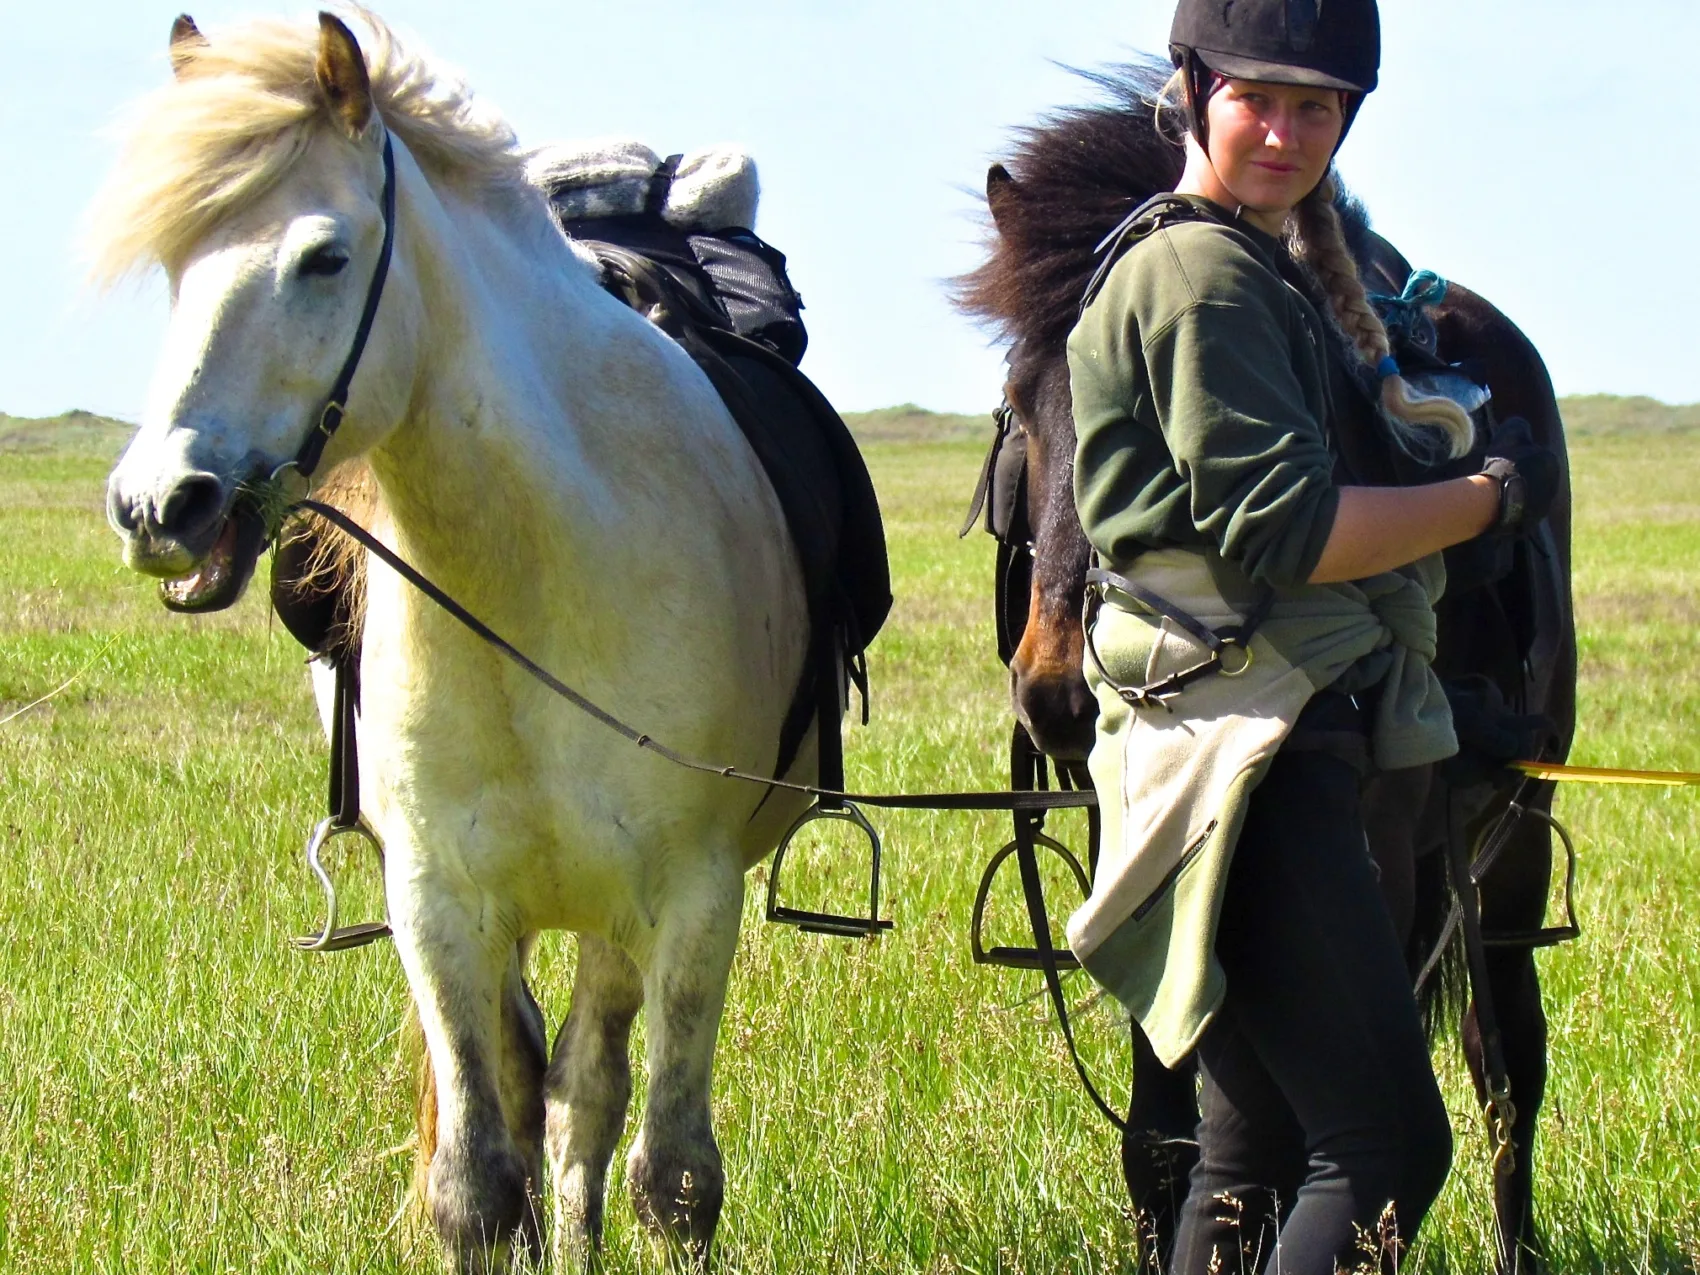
x=1316, y=238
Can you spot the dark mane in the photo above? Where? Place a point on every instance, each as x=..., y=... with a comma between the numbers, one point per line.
x=1069, y=181
x=1074, y=175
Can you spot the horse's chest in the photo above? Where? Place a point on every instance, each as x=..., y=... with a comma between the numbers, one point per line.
x=539, y=820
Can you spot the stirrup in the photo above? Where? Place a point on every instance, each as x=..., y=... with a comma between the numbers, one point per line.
x=1022, y=958
x=330, y=938
x=1544, y=936
x=830, y=923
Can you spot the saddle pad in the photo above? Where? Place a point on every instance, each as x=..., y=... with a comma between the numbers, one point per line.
x=711, y=189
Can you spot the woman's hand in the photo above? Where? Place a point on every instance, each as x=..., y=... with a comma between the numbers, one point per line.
x=1528, y=476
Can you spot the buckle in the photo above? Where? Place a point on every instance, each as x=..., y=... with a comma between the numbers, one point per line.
x=1221, y=657
x=327, y=425
x=829, y=923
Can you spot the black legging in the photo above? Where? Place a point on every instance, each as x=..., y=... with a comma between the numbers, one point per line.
x=1319, y=1102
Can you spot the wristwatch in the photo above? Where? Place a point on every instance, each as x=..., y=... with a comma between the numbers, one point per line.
x=1503, y=470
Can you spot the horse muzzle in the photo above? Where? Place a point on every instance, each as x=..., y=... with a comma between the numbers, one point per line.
x=1056, y=707
x=198, y=539
x=1047, y=681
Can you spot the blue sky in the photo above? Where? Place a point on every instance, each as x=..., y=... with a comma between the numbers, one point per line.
x=1537, y=150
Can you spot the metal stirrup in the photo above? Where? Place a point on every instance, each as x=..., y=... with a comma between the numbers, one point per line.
x=330, y=938
x=830, y=923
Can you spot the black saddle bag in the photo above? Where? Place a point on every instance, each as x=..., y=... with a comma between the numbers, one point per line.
x=735, y=279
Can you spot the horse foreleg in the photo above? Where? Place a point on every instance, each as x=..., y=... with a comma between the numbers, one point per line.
x=1523, y=1030
x=674, y=1167
x=480, y=1031
x=1514, y=898
x=588, y=1090
x=525, y=1057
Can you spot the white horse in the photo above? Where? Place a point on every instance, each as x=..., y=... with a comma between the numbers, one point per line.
x=566, y=472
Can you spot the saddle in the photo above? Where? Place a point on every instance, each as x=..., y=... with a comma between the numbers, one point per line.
x=723, y=295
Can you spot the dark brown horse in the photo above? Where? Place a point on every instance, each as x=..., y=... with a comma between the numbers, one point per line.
x=1506, y=627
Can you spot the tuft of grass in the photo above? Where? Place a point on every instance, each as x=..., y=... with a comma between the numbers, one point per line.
x=179, y=1092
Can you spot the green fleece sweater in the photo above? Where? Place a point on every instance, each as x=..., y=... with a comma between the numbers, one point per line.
x=1200, y=396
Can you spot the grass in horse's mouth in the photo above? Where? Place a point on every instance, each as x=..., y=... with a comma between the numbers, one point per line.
x=259, y=509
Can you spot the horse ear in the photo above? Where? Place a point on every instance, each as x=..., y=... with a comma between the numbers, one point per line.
x=1000, y=189
x=341, y=73
x=186, y=37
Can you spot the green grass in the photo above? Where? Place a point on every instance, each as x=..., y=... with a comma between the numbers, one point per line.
x=910, y=424
x=179, y=1092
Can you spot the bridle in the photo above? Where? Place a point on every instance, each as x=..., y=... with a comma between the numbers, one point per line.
x=335, y=408
x=345, y=818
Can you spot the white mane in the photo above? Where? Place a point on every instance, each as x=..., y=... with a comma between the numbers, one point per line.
x=240, y=112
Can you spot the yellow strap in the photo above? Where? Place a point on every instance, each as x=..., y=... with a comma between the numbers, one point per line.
x=1608, y=775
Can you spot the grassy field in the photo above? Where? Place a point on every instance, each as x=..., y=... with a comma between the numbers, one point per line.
x=180, y=1093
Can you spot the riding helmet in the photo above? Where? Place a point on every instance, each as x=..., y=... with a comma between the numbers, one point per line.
x=1332, y=44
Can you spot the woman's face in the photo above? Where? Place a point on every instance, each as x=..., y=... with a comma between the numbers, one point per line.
x=1271, y=144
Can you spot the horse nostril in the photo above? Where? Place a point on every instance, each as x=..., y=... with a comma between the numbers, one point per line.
x=191, y=506
x=120, y=512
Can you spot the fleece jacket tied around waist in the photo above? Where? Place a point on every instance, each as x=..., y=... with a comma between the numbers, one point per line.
x=1174, y=780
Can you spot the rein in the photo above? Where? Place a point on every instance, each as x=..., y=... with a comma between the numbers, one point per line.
x=1028, y=805
x=1028, y=801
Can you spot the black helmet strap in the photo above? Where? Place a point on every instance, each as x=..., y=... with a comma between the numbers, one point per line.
x=1195, y=78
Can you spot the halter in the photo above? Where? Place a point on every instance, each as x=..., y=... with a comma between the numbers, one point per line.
x=336, y=403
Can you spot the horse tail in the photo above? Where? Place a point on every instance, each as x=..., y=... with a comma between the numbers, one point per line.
x=1445, y=993
x=418, y=1058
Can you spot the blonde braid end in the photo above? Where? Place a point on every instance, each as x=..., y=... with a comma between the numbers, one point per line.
x=1320, y=242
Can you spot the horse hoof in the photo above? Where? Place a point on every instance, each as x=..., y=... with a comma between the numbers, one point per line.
x=678, y=1194
x=481, y=1204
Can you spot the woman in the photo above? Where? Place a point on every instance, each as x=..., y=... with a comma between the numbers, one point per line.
x=1259, y=634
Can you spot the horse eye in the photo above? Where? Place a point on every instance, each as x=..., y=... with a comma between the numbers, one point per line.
x=325, y=262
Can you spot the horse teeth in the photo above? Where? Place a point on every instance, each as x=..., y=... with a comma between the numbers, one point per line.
x=209, y=576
